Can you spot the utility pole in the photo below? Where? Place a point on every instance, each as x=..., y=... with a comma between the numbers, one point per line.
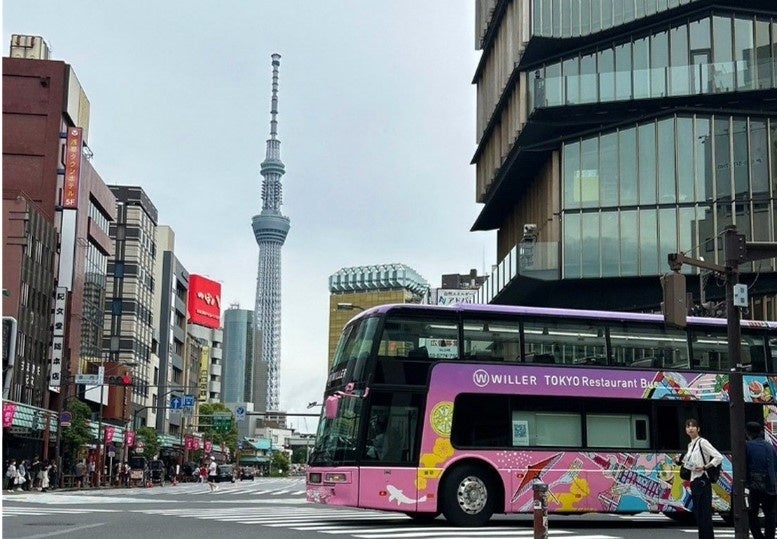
x=736, y=251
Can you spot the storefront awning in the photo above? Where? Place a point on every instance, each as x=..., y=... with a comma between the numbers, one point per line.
x=253, y=460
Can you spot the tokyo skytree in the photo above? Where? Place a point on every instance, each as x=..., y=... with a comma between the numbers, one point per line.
x=270, y=229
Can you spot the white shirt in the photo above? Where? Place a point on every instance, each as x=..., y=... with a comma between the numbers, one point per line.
x=212, y=468
x=693, y=457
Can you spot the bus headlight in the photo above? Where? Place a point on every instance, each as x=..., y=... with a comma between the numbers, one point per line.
x=338, y=477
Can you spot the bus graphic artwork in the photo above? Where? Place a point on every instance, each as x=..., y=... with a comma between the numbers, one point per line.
x=591, y=403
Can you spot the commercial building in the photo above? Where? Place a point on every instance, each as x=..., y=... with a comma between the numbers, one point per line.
x=46, y=162
x=170, y=299
x=244, y=377
x=358, y=288
x=611, y=133
x=129, y=317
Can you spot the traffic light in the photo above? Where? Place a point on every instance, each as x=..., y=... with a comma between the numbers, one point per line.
x=675, y=304
x=120, y=380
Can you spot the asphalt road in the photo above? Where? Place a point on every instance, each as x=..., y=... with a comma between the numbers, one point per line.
x=276, y=508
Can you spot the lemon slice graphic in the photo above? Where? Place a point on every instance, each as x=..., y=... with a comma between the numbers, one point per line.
x=441, y=417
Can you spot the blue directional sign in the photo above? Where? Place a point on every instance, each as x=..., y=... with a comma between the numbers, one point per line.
x=175, y=403
x=188, y=401
x=240, y=413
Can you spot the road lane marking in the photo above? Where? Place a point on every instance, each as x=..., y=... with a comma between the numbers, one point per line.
x=62, y=532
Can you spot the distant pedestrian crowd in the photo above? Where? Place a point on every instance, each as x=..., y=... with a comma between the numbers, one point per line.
x=26, y=475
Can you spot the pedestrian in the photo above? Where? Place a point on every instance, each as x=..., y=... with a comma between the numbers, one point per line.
x=761, y=481
x=35, y=471
x=80, y=471
x=54, y=475
x=203, y=474
x=21, y=476
x=43, y=476
x=700, y=456
x=212, y=474
x=92, y=478
x=10, y=475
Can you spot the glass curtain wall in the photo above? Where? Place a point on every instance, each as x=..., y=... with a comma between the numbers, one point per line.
x=633, y=195
x=712, y=55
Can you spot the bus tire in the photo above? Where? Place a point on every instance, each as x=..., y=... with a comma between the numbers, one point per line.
x=423, y=517
x=468, y=496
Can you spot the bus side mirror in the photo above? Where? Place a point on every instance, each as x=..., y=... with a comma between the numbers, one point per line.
x=330, y=406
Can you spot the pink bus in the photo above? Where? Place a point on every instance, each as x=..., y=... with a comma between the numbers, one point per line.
x=458, y=410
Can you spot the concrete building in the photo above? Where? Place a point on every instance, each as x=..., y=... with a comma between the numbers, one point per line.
x=170, y=297
x=610, y=134
x=129, y=318
x=46, y=159
x=361, y=287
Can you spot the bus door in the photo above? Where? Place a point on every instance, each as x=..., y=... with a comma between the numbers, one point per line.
x=387, y=475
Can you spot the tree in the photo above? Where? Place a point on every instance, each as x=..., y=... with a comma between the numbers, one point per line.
x=78, y=434
x=280, y=463
x=150, y=442
x=228, y=438
x=300, y=455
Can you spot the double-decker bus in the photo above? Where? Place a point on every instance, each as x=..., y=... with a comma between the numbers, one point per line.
x=458, y=410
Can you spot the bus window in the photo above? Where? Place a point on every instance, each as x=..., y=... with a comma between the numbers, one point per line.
x=546, y=429
x=491, y=340
x=617, y=430
x=649, y=346
x=392, y=428
x=420, y=338
x=710, y=349
x=563, y=342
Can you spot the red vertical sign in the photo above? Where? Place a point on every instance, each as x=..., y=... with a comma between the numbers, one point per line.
x=72, y=167
x=129, y=438
x=9, y=411
x=208, y=446
x=109, y=432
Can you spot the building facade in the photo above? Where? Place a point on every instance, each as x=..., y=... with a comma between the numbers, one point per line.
x=241, y=353
x=46, y=159
x=611, y=134
x=358, y=288
x=170, y=297
x=129, y=318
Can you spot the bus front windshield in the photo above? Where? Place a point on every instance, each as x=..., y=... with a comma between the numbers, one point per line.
x=336, y=439
x=353, y=351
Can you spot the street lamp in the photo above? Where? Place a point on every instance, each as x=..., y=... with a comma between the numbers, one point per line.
x=348, y=307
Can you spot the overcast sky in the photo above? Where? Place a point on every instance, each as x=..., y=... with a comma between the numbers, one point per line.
x=376, y=122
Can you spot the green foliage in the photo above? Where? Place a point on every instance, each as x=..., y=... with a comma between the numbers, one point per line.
x=300, y=455
x=78, y=434
x=220, y=437
x=280, y=463
x=148, y=435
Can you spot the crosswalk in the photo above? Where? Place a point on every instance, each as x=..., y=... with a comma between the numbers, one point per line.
x=361, y=524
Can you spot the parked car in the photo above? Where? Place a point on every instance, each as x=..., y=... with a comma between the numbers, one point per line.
x=247, y=472
x=225, y=474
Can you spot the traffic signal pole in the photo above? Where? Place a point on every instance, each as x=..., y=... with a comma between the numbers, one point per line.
x=736, y=251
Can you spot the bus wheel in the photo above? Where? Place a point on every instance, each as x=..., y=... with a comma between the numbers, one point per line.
x=423, y=517
x=468, y=497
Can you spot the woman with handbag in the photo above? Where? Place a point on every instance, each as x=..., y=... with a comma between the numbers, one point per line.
x=698, y=462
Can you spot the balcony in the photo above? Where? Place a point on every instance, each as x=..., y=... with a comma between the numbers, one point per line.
x=537, y=261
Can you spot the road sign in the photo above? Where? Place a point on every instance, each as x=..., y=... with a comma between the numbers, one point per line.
x=139, y=446
x=240, y=413
x=175, y=403
x=65, y=418
x=88, y=379
x=188, y=401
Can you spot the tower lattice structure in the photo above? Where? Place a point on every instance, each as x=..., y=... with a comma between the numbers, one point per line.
x=270, y=230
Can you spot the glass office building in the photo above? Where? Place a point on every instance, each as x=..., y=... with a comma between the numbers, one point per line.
x=614, y=132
